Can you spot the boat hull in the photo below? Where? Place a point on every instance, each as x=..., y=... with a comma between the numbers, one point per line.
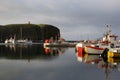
x=113, y=54
x=80, y=48
x=93, y=50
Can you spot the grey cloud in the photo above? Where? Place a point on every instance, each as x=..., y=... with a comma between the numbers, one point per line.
x=66, y=14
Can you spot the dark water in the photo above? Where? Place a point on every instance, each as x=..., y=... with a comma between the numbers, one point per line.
x=33, y=62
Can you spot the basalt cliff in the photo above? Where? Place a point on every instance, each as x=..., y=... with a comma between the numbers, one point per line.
x=36, y=33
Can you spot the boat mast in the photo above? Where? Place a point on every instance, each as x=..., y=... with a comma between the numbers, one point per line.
x=21, y=33
x=108, y=30
x=108, y=33
x=1, y=36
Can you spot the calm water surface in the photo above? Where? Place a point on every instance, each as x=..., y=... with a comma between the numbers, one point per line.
x=33, y=62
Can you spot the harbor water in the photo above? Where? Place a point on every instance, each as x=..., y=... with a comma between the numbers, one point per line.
x=33, y=62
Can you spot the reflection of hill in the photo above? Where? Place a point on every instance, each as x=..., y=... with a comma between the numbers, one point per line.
x=26, y=52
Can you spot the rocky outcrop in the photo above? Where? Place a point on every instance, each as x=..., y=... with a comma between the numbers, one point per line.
x=33, y=32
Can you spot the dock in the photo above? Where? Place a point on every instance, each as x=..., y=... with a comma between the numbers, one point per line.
x=59, y=45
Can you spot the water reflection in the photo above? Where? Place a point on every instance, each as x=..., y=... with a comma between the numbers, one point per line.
x=107, y=64
x=29, y=52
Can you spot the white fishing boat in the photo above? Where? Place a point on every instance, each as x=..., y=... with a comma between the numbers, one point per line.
x=114, y=51
x=107, y=42
x=80, y=47
x=93, y=49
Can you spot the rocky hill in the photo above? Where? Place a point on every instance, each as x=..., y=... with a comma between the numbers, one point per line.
x=33, y=32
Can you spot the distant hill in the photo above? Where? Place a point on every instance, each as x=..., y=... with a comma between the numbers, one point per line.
x=29, y=31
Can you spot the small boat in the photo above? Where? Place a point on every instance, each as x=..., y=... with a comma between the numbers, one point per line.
x=93, y=49
x=21, y=40
x=81, y=56
x=80, y=47
x=26, y=41
x=49, y=43
x=10, y=41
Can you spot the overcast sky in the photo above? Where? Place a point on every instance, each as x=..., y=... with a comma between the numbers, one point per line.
x=76, y=19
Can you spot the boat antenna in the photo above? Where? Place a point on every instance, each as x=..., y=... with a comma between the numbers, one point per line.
x=108, y=30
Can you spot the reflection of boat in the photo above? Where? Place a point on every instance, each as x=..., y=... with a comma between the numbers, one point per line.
x=110, y=62
x=86, y=58
x=93, y=59
x=48, y=43
x=81, y=56
x=114, y=60
x=54, y=50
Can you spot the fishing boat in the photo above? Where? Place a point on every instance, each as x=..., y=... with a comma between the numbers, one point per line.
x=93, y=49
x=107, y=41
x=80, y=47
x=114, y=52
